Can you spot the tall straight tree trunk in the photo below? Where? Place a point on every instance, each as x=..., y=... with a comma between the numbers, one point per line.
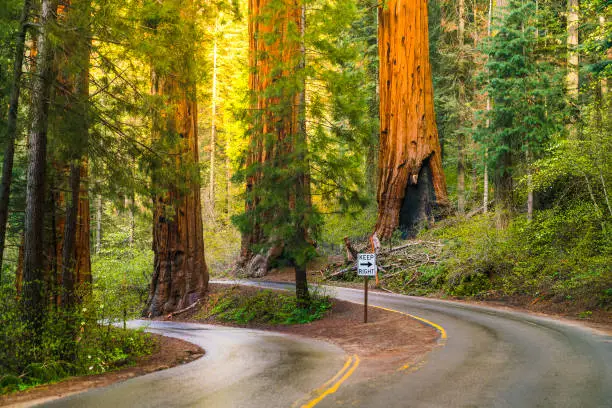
x=228, y=180
x=70, y=233
x=275, y=116
x=11, y=128
x=502, y=176
x=75, y=252
x=83, y=276
x=33, y=275
x=213, y=125
x=411, y=182
x=485, y=196
x=462, y=101
x=303, y=201
x=98, y=246
x=573, y=21
x=180, y=274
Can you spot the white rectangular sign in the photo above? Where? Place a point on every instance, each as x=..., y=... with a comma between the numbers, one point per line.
x=366, y=264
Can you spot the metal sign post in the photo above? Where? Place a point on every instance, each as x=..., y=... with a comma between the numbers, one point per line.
x=365, y=300
x=366, y=266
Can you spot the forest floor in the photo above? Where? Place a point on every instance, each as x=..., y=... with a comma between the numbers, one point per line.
x=169, y=353
x=597, y=319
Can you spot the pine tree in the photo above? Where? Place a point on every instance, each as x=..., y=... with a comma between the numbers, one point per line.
x=180, y=275
x=33, y=271
x=523, y=91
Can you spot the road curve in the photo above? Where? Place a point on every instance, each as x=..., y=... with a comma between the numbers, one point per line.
x=241, y=368
x=491, y=358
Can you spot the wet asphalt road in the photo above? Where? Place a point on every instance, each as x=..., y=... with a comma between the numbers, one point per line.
x=241, y=368
x=491, y=358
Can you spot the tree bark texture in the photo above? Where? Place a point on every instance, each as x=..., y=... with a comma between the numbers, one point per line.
x=70, y=233
x=98, y=246
x=33, y=271
x=276, y=118
x=180, y=275
x=11, y=128
x=213, y=125
x=408, y=132
x=73, y=258
x=573, y=21
x=462, y=102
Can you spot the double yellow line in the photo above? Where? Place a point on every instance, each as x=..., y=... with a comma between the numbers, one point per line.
x=332, y=385
x=335, y=382
x=420, y=319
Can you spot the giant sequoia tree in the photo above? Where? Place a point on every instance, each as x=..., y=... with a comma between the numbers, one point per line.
x=411, y=183
x=180, y=275
x=276, y=218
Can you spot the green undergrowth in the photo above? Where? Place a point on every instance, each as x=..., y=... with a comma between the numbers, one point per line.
x=562, y=255
x=69, y=344
x=234, y=305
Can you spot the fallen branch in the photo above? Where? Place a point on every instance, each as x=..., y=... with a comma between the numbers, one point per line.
x=411, y=244
x=194, y=304
x=340, y=272
x=387, y=290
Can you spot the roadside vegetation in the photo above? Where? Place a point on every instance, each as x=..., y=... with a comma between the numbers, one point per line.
x=60, y=351
x=244, y=306
x=561, y=256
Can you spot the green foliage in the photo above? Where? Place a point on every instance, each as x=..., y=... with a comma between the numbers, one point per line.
x=563, y=254
x=337, y=119
x=265, y=307
x=121, y=282
x=71, y=343
x=356, y=223
x=526, y=92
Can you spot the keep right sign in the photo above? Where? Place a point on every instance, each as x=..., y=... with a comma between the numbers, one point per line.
x=366, y=264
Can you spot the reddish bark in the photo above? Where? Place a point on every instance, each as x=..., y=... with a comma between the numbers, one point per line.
x=409, y=146
x=274, y=40
x=180, y=275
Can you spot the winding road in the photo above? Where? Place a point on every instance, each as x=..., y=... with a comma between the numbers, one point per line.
x=487, y=358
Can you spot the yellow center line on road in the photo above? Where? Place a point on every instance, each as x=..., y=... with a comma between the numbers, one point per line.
x=334, y=383
x=439, y=328
x=427, y=322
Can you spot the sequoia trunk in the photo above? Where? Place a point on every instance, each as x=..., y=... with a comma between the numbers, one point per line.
x=409, y=147
x=180, y=275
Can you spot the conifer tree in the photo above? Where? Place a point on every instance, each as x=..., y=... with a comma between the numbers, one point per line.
x=276, y=136
x=33, y=270
x=180, y=275
x=524, y=93
x=11, y=127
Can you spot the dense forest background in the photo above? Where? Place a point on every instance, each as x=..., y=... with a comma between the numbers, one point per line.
x=522, y=107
